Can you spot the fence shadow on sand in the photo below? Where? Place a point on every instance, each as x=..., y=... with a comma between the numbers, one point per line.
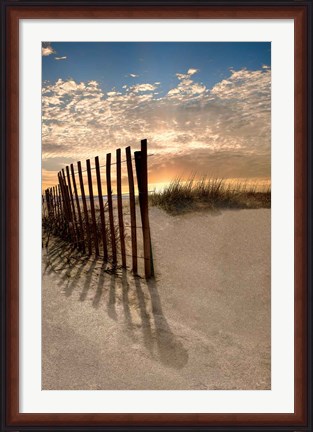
x=123, y=297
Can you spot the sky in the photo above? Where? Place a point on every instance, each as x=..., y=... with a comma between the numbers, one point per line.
x=204, y=107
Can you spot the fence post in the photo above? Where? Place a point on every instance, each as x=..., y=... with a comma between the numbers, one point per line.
x=62, y=204
x=111, y=218
x=43, y=206
x=132, y=207
x=81, y=230
x=60, y=199
x=82, y=189
x=141, y=160
x=75, y=227
x=56, y=215
x=120, y=205
x=102, y=216
x=58, y=205
x=65, y=207
x=92, y=207
x=55, y=201
x=67, y=198
x=70, y=211
x=47, y=201
x=52, y=202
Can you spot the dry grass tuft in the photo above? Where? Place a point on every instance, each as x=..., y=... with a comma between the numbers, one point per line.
x=209, y=193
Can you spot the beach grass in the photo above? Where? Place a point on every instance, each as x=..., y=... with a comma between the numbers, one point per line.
x=210, y=193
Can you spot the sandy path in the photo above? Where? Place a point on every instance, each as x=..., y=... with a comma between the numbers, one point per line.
x=204, y=323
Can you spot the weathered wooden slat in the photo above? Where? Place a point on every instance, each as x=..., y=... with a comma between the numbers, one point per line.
x=141, y=160
x=82, y=189
x=67, y=218
x=55, y=201
x=132, y=207
x=80, y=229
x=55, y=197
x=43, y=211
x=52, y=201
x=92, y=208
x=110, y=204
x=120, y=206
x=70, y=211
x=101, y=207
x=60, y=199
x=62, y=185
x=61, y=196
x=47, y=201
x=67, y=198
x=55, y=205
x=75, y=225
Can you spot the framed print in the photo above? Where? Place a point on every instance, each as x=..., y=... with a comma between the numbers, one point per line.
x=156, y=215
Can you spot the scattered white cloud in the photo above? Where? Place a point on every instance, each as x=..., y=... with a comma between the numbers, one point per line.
x=192, y=71
x=133, y=75
x=225, y=128
x=186, y=87
x=47, y=49
x=60, y=58
x=143, y=88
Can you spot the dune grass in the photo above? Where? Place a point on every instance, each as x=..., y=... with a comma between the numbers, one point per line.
x=209, y=193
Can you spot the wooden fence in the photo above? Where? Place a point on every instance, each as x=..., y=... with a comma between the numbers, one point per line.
x=74, y=211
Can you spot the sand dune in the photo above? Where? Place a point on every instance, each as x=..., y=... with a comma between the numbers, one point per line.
x=203, y=323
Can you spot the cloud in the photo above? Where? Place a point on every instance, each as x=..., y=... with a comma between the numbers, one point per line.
x=47, y=49
x=186, y=87
x=223, y=130
x=132, y=75
x=60, y=58
x=143, y=88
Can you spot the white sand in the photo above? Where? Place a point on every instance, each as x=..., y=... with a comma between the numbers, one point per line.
x=204, y=323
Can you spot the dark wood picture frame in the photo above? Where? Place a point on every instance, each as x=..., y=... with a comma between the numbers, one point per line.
x=11, y=13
